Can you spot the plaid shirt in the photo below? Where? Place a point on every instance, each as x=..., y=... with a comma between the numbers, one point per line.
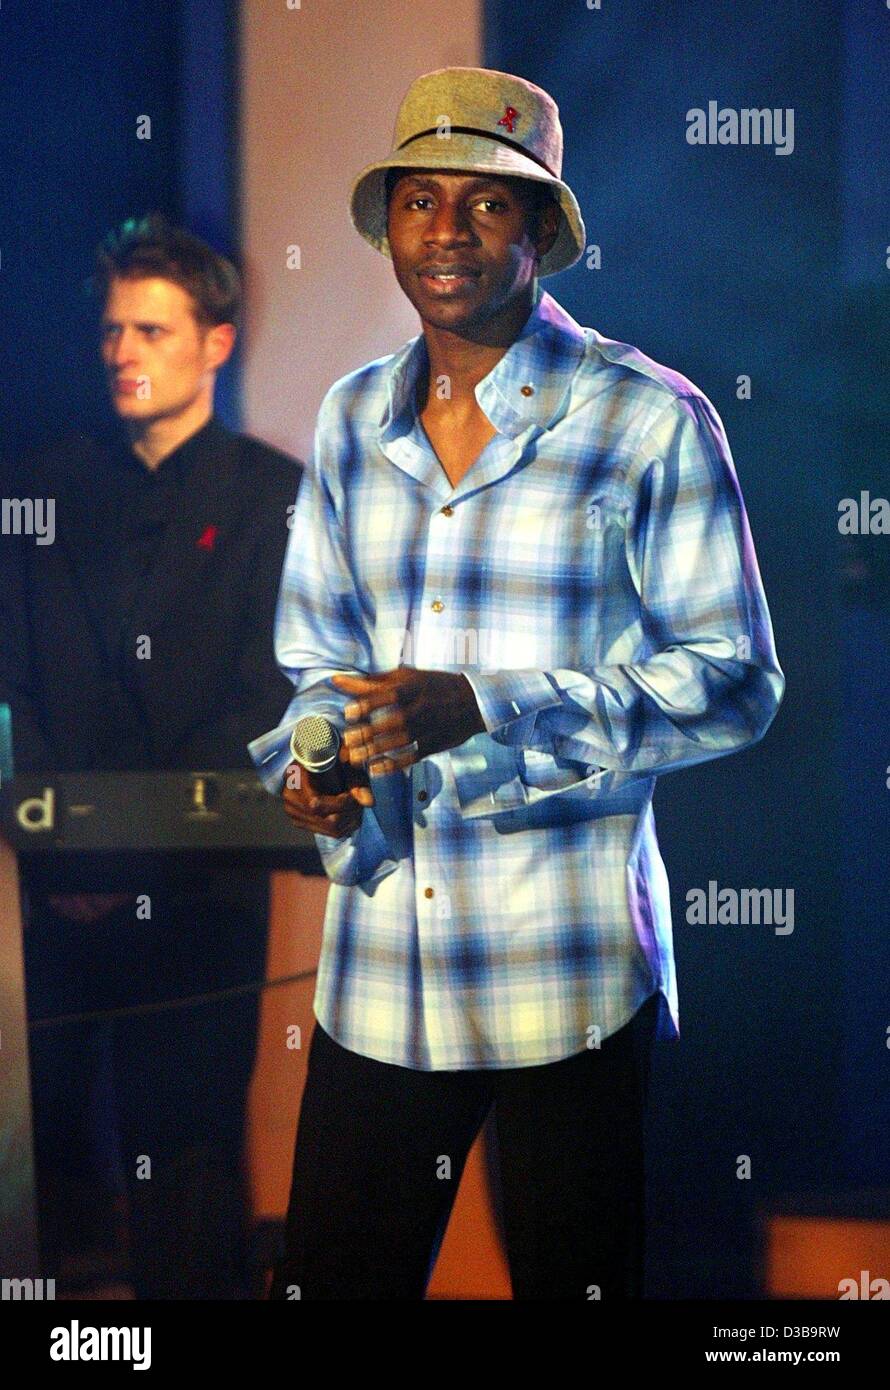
x=593, y=575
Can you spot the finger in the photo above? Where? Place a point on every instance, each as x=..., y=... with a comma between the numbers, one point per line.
x=320, y=805
x=356, y=776
x=390, y=723
x=342, y=822
x=302, y=788
x=298, y=799
x=378, y=698
x=361, y=685
x=383, y=719
x=376, y=743
x=384, y=744
x=396, y=760
x=336, y=826
x=324, y=814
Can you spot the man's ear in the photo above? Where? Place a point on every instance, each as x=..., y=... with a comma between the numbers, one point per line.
x=219, y=343
x=548, y=227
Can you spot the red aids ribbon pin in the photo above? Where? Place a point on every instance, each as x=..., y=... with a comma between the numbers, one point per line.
x=509, y=118
x=207, y=537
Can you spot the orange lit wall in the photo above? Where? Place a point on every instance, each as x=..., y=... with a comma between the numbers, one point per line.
x=320, y=86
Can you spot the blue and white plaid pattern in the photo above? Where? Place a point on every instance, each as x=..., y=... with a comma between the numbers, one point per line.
x=594, y=576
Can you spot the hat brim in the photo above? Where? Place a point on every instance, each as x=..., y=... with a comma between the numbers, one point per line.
x=367, y=203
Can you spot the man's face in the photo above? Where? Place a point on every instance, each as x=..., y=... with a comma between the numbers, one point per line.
x=460, y=244
x=157, y=356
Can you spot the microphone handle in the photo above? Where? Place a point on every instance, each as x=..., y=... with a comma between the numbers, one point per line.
x=330, y=782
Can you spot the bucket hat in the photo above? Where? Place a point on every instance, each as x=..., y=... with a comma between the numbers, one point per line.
x=480, y=120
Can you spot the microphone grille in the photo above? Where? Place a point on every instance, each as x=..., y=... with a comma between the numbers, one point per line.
x=314, y=741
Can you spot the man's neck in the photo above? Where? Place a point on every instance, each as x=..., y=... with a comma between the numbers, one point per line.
x=154, y=440
x=465, y=361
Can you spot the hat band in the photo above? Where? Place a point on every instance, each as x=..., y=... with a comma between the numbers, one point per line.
x=486, y=135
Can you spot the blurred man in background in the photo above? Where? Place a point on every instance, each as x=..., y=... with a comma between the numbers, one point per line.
x=141, y=639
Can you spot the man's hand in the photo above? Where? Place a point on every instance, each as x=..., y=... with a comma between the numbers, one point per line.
x=334, y=816
x=87, y=907
x=407, y=714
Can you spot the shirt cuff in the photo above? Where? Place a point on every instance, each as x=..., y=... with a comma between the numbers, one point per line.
x=500, y=770
x=505, y=696
x=491, y=778
x=362, y=858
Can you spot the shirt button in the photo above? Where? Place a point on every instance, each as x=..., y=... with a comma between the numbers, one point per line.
x=421, y=796
x=427, y=892
x=527, y=390
x=448, y=511
x=437, y=605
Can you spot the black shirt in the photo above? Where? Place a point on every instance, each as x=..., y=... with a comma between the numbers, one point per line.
x=187, y=557
x=139, y=504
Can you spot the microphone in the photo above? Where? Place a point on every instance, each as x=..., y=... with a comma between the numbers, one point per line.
x=315, y=745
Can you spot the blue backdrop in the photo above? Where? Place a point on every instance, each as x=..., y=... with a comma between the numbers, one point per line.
x=75, y=79
x=723, y=260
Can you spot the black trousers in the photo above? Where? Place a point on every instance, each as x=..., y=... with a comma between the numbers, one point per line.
x=170, y=1086
x=380, y=1151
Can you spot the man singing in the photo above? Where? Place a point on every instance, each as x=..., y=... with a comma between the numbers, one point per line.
x=528, y=543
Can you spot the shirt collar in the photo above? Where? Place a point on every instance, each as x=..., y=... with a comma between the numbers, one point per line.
x=178, y=466
x=544, y=358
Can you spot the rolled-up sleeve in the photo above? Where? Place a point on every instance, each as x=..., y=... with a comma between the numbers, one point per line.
x=706, y=681
x=318, y=631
